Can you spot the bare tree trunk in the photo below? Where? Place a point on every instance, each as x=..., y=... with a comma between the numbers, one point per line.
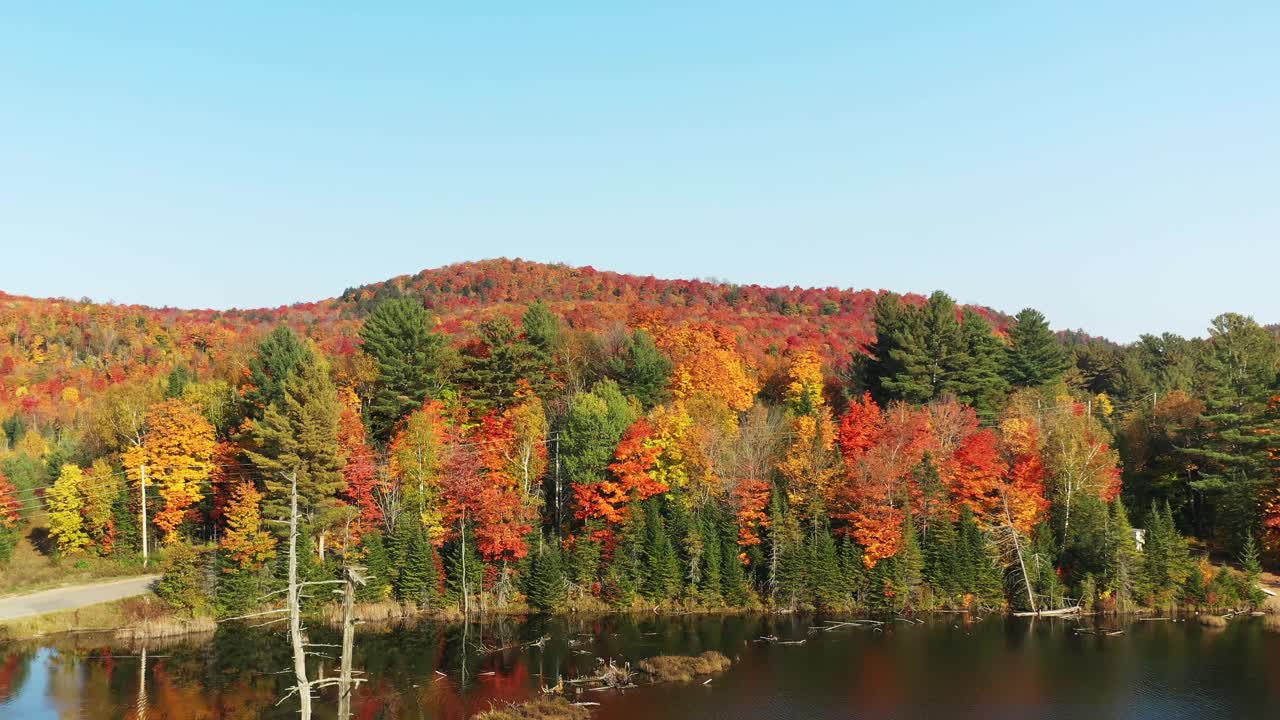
x=348, y=641
x=295, y=609
x=1017, y=546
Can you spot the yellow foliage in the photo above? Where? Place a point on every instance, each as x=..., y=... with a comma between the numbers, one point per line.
x=804, y=389
x=65, y=500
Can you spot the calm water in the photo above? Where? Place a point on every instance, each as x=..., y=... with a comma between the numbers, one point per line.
x=944, y=668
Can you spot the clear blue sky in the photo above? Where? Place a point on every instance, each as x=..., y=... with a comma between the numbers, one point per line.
x=1116, y=165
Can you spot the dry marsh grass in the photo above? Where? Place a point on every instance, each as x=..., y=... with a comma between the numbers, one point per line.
x=683, y=668
x=543, y=708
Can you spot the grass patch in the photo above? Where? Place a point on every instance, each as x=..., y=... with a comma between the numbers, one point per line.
x=683, y=668
x=132, y=618
x=30, y=570
x=543, y=708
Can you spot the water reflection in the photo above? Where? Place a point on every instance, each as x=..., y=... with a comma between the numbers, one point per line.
x=948, y=667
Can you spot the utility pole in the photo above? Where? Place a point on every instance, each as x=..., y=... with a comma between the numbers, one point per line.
x=143, y=486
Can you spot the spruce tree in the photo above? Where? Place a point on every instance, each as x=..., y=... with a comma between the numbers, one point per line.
x=980, y=381
x=661, y=569
x=908, y=565
x=413, y=362
x=377, y=566
x=497, y=363
x=1035, y=356
x=625, y=574
x=278, y=356
x=1251, y=564
x=942, y=567
x=545, y=586
x=710, y=588
x=641, y=370
x=300, y=435
x=1122, y=574
x=853, y=572
x=583, y=562
x=733, y=581
x=824, y=574
x=463, y=561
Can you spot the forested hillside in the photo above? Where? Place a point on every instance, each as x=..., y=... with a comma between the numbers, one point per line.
x=504, y=433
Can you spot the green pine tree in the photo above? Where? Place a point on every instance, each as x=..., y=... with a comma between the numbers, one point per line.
x=413, y=362
x=980, y=381
x=278, y=356
x=545, y=586
x=661, y=570
x=641, y=370
x=1035, y=356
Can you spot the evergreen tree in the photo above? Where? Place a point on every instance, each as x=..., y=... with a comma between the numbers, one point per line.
x=943, y=569
x=980, y=380
x=497, y=362
x=661, y=570
x=378, y=568
x=278, y=356
x=1122, y=575
x=1166, y=566
x=625, y=576
x=181, y=583
x=545, y=585
x=908, y=565
x=412, y=360
x=733, y=581
x=417, y=581
x=1235, y=460
x=1252, y=567
x=853, y=572
x=642, y=371
x=463, y=561
x=826, y=586
x=1035, y=356
x=1041, y=564
x=300, y=435
x=710, y=585
x=584, y=557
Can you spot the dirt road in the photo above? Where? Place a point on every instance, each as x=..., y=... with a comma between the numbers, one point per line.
x=75, y=596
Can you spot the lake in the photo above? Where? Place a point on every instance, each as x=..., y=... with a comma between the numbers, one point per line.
x=945, y=667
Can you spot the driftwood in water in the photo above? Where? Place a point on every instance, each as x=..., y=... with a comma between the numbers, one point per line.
x=1074, y=610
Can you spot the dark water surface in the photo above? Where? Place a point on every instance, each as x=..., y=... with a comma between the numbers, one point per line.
x=943, y=668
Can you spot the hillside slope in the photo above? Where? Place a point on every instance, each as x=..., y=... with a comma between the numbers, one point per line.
x=57, y=352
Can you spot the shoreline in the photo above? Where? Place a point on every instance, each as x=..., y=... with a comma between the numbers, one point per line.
x=109, y=619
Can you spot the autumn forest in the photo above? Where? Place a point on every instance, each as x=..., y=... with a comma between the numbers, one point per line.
x=509, y=436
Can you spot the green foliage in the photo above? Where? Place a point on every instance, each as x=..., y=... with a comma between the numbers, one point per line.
x=1165, y=563
x=1035, y=356
x=300, y=435
x=378, y=568
x=495, y=364
x=545, y=585
x=182, y=583
x=463, y=563
x=413, y=362
x=413, y=564
x=277, y=357
x=641, y=370
x=661, y=568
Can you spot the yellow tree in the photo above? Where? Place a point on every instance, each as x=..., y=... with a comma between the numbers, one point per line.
x=245, y=542
x=103, y=486
x=810, y=463
x=65, y=500
x=178, y=451
x=416, y=460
